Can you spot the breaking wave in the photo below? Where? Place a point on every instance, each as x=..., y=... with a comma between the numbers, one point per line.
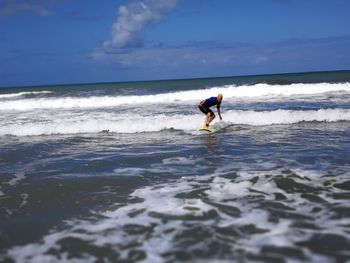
x=127, y=123
x=258, y=91
x=21, y=94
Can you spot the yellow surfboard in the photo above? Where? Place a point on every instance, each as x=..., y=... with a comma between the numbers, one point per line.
x=207, y=129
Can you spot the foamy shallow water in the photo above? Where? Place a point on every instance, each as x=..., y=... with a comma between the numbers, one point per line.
x=271, y=185
x=241, y=194
x=254, y=216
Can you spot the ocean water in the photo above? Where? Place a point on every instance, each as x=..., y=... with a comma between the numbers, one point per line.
x=118, y=172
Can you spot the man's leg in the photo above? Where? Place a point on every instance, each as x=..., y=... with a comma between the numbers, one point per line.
x=207, y=114
x=211, y=118
x=206, y=120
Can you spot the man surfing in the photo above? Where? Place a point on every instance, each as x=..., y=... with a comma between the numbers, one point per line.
x=204, y=106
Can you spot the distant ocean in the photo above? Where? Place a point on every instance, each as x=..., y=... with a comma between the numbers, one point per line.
x=117, y=172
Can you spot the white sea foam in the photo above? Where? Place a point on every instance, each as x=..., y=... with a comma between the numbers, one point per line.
x=261, y=118
x=137, y=124
x=178, y=161
x=258, y=91
x=175, y=202
x=18, y=177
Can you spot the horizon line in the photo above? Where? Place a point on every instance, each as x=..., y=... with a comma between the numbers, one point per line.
x=170, y=79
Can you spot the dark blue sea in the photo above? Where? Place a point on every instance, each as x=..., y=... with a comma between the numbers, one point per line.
x=118, y=172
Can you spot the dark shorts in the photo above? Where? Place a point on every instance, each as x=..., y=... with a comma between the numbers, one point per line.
x=205, y=110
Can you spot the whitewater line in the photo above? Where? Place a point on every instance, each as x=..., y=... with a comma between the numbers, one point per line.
x=258, y=91
x=138, y=124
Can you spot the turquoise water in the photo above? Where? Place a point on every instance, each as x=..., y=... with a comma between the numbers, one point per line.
x=271, y=185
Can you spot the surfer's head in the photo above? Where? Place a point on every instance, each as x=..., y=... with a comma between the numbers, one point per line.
x=219, y=97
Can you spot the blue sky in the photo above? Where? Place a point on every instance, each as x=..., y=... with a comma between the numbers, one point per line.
x=79, y=41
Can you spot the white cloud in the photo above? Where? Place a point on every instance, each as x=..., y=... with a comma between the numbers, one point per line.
x=133, y=19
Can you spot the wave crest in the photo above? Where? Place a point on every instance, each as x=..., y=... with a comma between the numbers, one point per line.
x=188, y=123
x=21, y=94
x=231, y=92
